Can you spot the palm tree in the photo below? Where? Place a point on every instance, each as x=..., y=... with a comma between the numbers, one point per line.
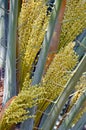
x=44, y=91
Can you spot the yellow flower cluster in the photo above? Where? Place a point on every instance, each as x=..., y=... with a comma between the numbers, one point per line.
x=48, y=90
x=59, y=70
x=57, y=76
x=33, y=22
x=17, y=111
x=74, y=21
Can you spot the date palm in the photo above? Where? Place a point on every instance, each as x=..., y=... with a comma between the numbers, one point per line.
x=32, y=87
